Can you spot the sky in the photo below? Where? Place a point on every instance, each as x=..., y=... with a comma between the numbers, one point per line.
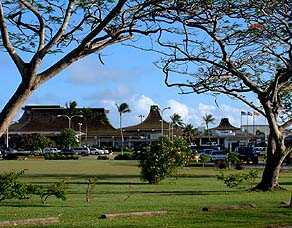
x=127, y=75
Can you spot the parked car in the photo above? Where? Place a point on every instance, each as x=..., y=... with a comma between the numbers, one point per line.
x=7, y=150
x=84, y=151
x=247, y=154
x=216, y=155
x=97, y=151
x=51, y=150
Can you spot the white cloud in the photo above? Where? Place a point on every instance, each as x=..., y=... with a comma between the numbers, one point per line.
x=90, y=72
x=179, y=108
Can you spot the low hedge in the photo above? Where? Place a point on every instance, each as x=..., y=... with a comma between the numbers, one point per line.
x=124, y=156
x=61, y=156
x=102, y=157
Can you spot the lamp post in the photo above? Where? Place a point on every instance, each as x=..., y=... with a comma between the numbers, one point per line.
x=7, y=134
x=80, y=125
x=141, y=117
x=70, y=118
x=162, y=119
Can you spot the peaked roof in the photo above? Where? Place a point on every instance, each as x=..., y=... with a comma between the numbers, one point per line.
x=225, y=125
x=152, y=121
x=52, y=118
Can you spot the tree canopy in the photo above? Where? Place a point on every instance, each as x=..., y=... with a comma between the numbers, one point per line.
x=237, y=48
x=70, y=30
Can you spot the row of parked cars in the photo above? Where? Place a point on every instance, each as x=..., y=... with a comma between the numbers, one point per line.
x=84, y=151
x=244, y=153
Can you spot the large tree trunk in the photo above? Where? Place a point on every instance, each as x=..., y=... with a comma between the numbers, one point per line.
x=15, y=104
x=275, y=156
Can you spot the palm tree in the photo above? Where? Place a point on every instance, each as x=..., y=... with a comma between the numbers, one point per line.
x=190, y=132
x=71, y=107
x=176, y=121
x=208, y=118
x=122, y=108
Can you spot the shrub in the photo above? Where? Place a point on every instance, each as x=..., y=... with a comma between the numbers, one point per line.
x=61, y=156
x=161, y=160
x=102, y=157
x=237, y=179
x=55, y=189
x=11, y=187
x=124, y=156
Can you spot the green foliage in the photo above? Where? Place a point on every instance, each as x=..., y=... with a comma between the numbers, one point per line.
x=205, y=158
x=233, y=158
x=91, y=184
x=235, y=180
x=102, y=157
x=161, y=160
x=36, y=142
x=67, y=139
x=11, y=187
x=124, y=156
x=61, y=156
x=59, y=190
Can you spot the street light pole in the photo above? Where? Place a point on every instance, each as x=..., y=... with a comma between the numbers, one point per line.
x=70, y=118
x=80, y=125
x=7, y=134
x=162, y=119
x=141, y=118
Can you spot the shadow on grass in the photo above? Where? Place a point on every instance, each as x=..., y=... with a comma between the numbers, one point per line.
x=24, y=205
x=79, y=176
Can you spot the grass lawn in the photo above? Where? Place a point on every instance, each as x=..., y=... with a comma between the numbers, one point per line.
x=120, y=190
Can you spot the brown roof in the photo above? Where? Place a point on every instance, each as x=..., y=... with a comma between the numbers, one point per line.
x=225, y=125
x=152, y=121
x=45, y=119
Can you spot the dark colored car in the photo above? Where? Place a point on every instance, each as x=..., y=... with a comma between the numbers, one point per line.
x=288, y=143
x=247, y=154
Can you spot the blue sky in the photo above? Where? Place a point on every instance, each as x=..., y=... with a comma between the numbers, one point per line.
x=128, y=75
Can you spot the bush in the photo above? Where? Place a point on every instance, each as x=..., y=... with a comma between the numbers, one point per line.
x=161, y=160
x=11, y=187
x=61, y=156
x=124, y=156
x=55, y=189
x=237, y=179
x=102, y=157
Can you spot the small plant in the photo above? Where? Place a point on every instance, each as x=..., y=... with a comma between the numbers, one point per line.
x=237, y=179
x=12, y=188
x=55, y=189
x=232, y=180
x=204, y=159
x=91, y=183
x=251, y=177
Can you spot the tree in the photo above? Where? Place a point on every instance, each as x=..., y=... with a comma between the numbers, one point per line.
x=208, y=118
x=71, y=107
x=67, y=139
x=241, y=49
x=36, y=142
x=162, y=158
x=189, y=132
x=69, y=30
x=176, y=122
x=122, y=108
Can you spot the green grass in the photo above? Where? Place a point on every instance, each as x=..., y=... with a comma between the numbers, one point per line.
x=120, y=190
